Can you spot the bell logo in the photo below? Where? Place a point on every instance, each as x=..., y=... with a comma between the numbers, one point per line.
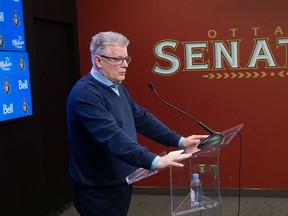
x=23, y=85
x=7, y=109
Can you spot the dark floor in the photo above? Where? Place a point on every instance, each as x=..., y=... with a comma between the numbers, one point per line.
x=159, y=205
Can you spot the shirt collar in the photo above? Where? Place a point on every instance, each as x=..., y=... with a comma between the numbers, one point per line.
x=98, y=76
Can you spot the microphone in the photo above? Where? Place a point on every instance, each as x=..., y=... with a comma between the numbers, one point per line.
x=215, y=138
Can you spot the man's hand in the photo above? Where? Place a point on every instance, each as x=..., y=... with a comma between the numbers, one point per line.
x=190, y=143
x=190, y=146
x=171, y=160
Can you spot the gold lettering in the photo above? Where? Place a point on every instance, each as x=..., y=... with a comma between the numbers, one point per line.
x=234, y=31
x=212, y=33
x=278, y=30
x=255, y=30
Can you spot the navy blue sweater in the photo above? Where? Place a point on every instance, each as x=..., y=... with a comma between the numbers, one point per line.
x=102, y=130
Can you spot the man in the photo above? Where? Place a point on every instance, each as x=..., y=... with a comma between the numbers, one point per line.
x=102, y=123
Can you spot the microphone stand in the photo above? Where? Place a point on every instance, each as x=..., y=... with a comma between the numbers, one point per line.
x=215, y=138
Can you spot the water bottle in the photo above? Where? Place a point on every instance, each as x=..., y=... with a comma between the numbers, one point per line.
x=196, y=191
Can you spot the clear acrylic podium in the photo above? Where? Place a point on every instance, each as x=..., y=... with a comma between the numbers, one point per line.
x=206, y=164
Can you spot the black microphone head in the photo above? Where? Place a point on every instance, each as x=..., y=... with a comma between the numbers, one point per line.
x=214, y=140
x=151, y=86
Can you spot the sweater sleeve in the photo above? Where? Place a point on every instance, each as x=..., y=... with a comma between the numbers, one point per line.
x=150, y=126
x=156, y=131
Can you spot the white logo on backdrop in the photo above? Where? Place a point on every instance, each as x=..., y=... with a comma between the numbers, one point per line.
x=6, y=64
x=18, y=43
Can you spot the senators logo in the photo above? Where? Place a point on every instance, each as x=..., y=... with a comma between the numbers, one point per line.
x=7, y=87
x=16, y=19
x=24, y=106
x=21, y=65
x=2, y=42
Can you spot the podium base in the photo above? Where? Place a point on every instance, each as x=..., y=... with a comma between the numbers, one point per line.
x=185, y=206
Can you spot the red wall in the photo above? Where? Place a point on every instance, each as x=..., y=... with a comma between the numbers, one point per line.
x=221, y=98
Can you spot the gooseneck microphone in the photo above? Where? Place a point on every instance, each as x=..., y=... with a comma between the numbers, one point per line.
x=213, y=140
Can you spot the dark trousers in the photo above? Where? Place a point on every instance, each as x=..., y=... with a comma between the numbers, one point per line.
x=93, y=201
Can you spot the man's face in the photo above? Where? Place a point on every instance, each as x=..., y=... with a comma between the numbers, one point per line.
x=108, y=65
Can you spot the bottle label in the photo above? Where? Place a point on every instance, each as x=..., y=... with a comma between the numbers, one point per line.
x=193, y=196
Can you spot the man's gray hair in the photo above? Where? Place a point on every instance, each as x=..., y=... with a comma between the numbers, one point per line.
x=101, y=40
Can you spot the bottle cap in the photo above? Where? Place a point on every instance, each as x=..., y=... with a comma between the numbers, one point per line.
x=195, y=176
